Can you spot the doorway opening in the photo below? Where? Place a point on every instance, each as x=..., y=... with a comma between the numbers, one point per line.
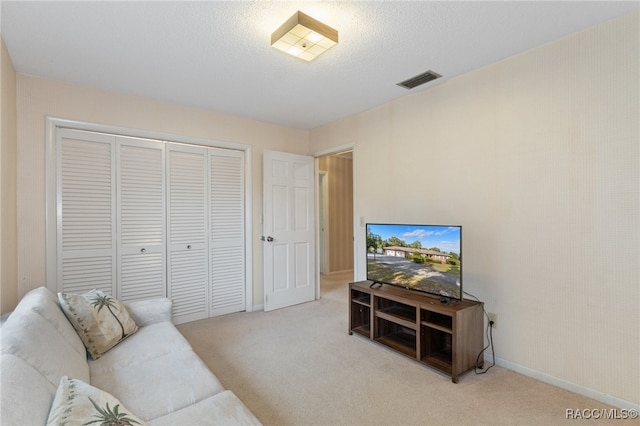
x=335, y=217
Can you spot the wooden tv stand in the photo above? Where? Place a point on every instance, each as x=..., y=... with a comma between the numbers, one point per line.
x=446, y=337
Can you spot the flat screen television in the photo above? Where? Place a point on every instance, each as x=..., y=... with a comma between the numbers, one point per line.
x=426, y=258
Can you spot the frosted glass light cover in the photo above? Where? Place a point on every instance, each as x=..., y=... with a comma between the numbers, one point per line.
x=304, y=37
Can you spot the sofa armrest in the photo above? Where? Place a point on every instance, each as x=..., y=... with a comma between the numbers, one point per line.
x=145, y=312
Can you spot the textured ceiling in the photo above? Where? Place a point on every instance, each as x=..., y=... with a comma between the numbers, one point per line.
x=216, y=55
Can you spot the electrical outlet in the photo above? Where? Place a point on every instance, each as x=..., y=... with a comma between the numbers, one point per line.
x=493, y=317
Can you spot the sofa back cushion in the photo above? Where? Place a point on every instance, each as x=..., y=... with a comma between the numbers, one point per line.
x=38, y=332
x=26, y=394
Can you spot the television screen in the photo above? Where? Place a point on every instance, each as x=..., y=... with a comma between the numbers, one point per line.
x=425, y=258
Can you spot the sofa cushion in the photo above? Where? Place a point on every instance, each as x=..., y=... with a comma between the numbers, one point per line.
x=150, y=342
x=146, y=312
x=45, y=302
x=156, y=386
x=100, y=320
x=26, y=395
x=77, y=403
x=223, y=408
x=36, y=332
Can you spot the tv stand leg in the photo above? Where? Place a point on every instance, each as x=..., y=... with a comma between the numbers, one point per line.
x=455, y=379
x=350, y=333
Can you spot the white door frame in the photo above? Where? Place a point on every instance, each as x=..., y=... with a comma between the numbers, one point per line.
x=53, y=123
x=322, y=220
x=331, y=151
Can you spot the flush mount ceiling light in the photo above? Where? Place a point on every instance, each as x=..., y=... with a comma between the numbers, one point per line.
x=304, y=37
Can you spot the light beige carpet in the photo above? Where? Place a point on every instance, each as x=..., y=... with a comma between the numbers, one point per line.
x=299, y=366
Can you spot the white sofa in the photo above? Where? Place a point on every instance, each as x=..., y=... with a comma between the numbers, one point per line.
x=154, y=373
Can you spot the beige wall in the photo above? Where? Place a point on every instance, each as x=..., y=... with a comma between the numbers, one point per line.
x=339, y=215
x=537, y=157
x=38, y=98
x=8, y=223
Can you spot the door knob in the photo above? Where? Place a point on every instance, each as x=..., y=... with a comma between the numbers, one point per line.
x=269, y=239
x=143, y=250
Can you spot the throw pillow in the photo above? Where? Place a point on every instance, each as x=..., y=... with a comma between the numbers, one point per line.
x=100, y=320
x=78, y=403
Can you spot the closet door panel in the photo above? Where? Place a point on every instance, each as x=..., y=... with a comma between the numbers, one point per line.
x=227, y=238
x=188, y=268
x=141, y=218
x=86, y=212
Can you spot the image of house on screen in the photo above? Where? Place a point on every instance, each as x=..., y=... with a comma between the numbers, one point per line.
x=408, y=251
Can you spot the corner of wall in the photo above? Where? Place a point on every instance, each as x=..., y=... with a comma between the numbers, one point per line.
x=8, y=183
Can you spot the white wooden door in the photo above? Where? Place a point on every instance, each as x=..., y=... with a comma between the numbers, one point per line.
x=288, y=230
x=141, y=219
x=86, y=212
x=188, y=266
x=227, y=233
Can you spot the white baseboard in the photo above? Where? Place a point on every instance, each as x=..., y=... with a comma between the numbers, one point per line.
x=580, y=390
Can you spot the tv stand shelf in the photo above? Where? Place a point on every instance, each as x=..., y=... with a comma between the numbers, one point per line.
x=446, y=337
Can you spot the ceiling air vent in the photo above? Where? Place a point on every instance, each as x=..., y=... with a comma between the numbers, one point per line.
x=419, y=79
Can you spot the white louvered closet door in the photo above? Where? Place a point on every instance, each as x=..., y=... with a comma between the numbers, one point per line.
x=227, y=238
x=86, y=212
x=141, y=219
x=188, y=266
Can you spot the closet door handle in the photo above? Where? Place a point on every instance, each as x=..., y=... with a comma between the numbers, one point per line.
x=189, y=246
x=143, y=250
